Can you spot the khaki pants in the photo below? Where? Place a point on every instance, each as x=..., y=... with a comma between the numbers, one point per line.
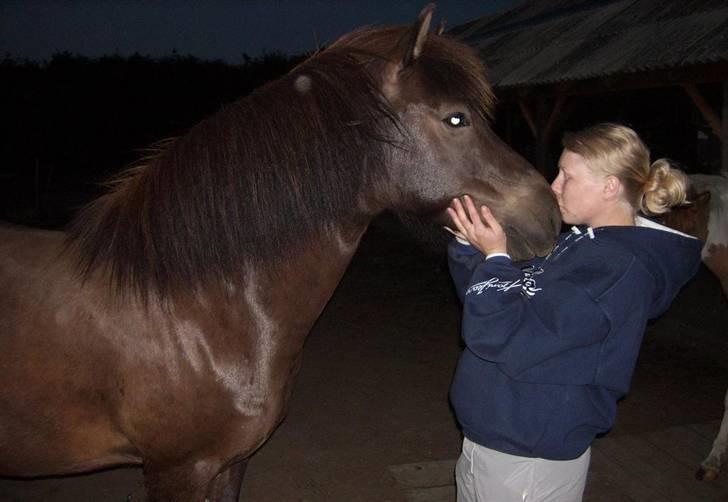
x=485, y=475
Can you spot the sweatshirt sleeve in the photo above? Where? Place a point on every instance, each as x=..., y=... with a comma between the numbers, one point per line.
x=462, y=260
x=509, y=320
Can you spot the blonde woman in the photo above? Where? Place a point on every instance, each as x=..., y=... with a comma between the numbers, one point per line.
x=551, y=344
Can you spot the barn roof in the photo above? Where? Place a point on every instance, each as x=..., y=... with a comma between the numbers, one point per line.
x=556, y=41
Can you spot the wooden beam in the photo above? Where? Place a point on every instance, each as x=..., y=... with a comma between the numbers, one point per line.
x=698, y=74
x=709, y=115
x=551, y=122
x=529, y=117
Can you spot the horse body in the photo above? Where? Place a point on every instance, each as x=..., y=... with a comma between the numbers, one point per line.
x=707, y=219
x=134, y=380
x=166, y=327
x=36, y=390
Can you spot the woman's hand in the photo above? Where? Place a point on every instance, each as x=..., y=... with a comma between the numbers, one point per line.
x=480, y=228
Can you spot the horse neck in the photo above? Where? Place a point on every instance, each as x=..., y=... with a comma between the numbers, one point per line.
x=261, y=182
x=277, y=303
x=322, y=259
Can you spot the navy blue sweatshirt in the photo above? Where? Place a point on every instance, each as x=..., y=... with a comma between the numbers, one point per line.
x=551, y=344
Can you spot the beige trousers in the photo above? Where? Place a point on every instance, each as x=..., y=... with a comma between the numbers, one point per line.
x=485, y=475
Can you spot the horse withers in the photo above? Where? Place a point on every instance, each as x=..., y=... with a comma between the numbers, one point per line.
x=166, y=326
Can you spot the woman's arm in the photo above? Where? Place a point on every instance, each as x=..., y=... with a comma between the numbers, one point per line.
x=514, y=320
x=462, y=259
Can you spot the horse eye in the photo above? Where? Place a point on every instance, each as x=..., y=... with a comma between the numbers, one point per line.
x=456, y=120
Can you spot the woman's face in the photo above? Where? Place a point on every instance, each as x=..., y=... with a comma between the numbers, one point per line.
x=579, y=191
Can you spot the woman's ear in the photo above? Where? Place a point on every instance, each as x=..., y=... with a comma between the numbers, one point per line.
x=612, y=187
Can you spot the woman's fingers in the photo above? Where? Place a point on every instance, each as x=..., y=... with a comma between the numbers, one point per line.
x=482, y=219
x=460, y=210
x=462, y=216
x=478, y=225
x=457, y=221
x=470, y=219
x=472, y=211
x=490, y=220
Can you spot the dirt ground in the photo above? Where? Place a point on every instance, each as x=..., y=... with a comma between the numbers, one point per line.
x=372, y=391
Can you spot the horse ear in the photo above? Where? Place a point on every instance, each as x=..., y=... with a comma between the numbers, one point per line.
x=441, y=27
x=408, y=49
x=419, y=30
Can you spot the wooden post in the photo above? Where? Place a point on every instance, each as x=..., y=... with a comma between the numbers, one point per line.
x=542, y=136
x=529, y=118
x=542, y=114
x=553, y=118
x=546, y=164
x=709, y=115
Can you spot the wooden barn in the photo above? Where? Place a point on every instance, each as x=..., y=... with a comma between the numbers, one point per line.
x=660, y=66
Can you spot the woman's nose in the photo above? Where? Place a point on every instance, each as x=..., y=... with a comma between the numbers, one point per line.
x=555, y=186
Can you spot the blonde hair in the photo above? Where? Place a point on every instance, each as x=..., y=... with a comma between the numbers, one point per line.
x=616, y=150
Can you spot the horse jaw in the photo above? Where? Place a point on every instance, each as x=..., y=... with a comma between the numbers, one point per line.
x=529, y=215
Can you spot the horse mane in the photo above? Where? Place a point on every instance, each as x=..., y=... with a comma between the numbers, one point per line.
x=263, y=174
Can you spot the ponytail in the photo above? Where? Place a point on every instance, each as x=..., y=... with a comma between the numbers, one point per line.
x=664, y=187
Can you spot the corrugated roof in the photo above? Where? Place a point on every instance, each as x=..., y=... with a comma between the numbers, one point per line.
x=550, y=41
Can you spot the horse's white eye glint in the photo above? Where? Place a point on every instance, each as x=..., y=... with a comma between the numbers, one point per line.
x=456, y=120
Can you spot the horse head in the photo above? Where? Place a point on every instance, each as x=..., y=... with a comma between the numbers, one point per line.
x=444, y=146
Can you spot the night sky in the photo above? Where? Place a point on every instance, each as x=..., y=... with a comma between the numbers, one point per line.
x=213, y=29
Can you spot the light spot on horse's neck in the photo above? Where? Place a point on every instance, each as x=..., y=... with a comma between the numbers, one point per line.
x=345, y=239
x=259, y=314
x=229, y=287
x=302, y=84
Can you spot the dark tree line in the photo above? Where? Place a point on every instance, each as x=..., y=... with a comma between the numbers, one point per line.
x=71, y=122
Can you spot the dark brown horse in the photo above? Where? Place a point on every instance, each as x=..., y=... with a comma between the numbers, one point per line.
x=166, y=327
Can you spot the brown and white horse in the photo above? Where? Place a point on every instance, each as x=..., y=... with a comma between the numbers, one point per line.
x=165, y=329
x=707, y=219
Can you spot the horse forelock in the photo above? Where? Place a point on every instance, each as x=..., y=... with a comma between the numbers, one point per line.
x=447, y=68
x=454, y=72
x=252, y=182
